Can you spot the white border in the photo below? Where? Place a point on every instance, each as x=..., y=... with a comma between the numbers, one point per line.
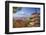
x=11, y=29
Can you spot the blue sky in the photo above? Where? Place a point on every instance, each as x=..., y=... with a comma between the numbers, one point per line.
x=25, y=11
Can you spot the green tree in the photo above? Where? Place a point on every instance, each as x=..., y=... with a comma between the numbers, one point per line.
x=15, y=9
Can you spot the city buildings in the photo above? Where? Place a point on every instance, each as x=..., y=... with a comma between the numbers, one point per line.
x=34, y=20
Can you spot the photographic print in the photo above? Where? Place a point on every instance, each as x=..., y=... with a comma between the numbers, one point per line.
x=24, y=17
